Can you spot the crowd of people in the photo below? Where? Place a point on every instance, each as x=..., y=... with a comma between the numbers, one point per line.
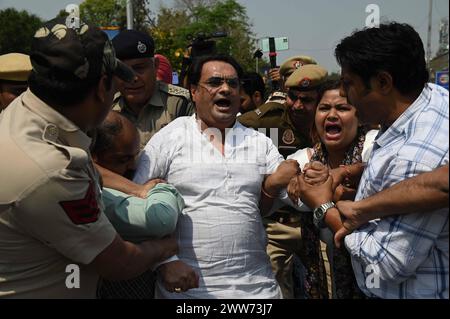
x=324, y=189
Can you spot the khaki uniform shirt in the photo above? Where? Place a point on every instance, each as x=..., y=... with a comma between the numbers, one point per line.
x=166, y=104
x=274, y=118
x=51, y=213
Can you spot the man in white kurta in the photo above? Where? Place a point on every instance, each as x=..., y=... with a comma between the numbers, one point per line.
x=220, y=233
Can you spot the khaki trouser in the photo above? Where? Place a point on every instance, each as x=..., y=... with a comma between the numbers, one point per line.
x=283, y=240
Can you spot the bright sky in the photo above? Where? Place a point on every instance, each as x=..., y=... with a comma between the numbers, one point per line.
x=313, y=27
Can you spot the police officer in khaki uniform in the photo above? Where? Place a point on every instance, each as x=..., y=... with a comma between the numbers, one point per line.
x=148, y=103
x=55, y=240
x=292, y=124
x=14, y=71
x=282, y=74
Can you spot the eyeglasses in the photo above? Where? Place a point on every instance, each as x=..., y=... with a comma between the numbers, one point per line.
x=303, y=99
x=216, y=82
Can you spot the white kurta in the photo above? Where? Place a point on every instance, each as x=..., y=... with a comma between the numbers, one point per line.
x=220, y=233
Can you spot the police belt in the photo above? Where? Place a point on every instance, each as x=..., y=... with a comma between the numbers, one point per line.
x=285, y=217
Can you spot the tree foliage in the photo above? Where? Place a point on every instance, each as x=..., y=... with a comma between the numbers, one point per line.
x=190, y=5
x=114, y=13
x=17, y=29
x=191, y=17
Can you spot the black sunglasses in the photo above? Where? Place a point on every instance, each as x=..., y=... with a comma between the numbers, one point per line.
x=216, y=82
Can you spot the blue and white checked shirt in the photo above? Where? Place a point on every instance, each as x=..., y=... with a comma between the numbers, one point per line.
x=406, y=256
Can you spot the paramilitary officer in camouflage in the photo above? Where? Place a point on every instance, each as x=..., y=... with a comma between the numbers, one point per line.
x=14, y=71
x=292, y=121
x=55, y=240
x=282, y=74
x=148, y=103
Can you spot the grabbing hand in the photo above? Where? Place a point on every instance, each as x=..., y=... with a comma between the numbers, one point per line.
x=352, y=220
x=293, y=189
x=145, y=188
x=274, y=74
x=315, y=173
x=317, y=194
x=285, y=171
x=281, y=177
x=178, y=276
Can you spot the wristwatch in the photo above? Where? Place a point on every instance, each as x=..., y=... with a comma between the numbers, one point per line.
x=319, y=214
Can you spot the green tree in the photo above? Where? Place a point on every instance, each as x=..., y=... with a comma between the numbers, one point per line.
x=189, y=6
x=104, y=12
x=191, y=17
x=17, y=30
x=142, y=15
x=169, y=39
x=113, y=13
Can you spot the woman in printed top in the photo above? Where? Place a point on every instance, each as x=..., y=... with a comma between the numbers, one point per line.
x=343, y=145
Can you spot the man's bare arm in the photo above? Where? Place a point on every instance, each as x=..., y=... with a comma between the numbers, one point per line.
x=120, y=183
x=123, y=260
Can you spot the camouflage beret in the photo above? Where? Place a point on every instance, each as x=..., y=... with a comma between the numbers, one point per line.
x=15, y=67
x=293, y=63
x=68, y=53
x=307, y=78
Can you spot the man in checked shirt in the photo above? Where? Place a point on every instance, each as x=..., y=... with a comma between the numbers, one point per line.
x=384, y=75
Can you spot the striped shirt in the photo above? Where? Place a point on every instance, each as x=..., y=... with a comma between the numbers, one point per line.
x=406, y=256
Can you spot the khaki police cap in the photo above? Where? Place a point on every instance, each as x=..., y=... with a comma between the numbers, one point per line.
x=307, y=78
x=293, y=63
x=15, y=67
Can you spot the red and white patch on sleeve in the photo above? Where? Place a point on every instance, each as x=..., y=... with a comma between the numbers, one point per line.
x=82, y=211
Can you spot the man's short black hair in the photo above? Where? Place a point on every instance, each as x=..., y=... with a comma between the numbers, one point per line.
x=62, y=93
x=394, y=48
x=252, y=82
x=195, y=70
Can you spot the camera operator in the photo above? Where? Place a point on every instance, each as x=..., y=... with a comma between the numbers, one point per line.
x=202, y=44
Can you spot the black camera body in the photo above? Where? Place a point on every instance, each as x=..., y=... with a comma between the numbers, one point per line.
x=203, y=44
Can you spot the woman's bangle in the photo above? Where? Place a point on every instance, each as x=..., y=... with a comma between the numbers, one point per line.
x=267, y=194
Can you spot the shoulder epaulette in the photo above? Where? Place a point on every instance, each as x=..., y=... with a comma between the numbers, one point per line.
x=268, y=107
x=178, y=91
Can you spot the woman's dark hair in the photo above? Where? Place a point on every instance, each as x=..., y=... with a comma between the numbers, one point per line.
x=326, y=86
x=195, y=70
x=394, y=48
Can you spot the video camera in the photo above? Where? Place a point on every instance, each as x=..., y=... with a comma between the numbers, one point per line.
x=202, y=43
